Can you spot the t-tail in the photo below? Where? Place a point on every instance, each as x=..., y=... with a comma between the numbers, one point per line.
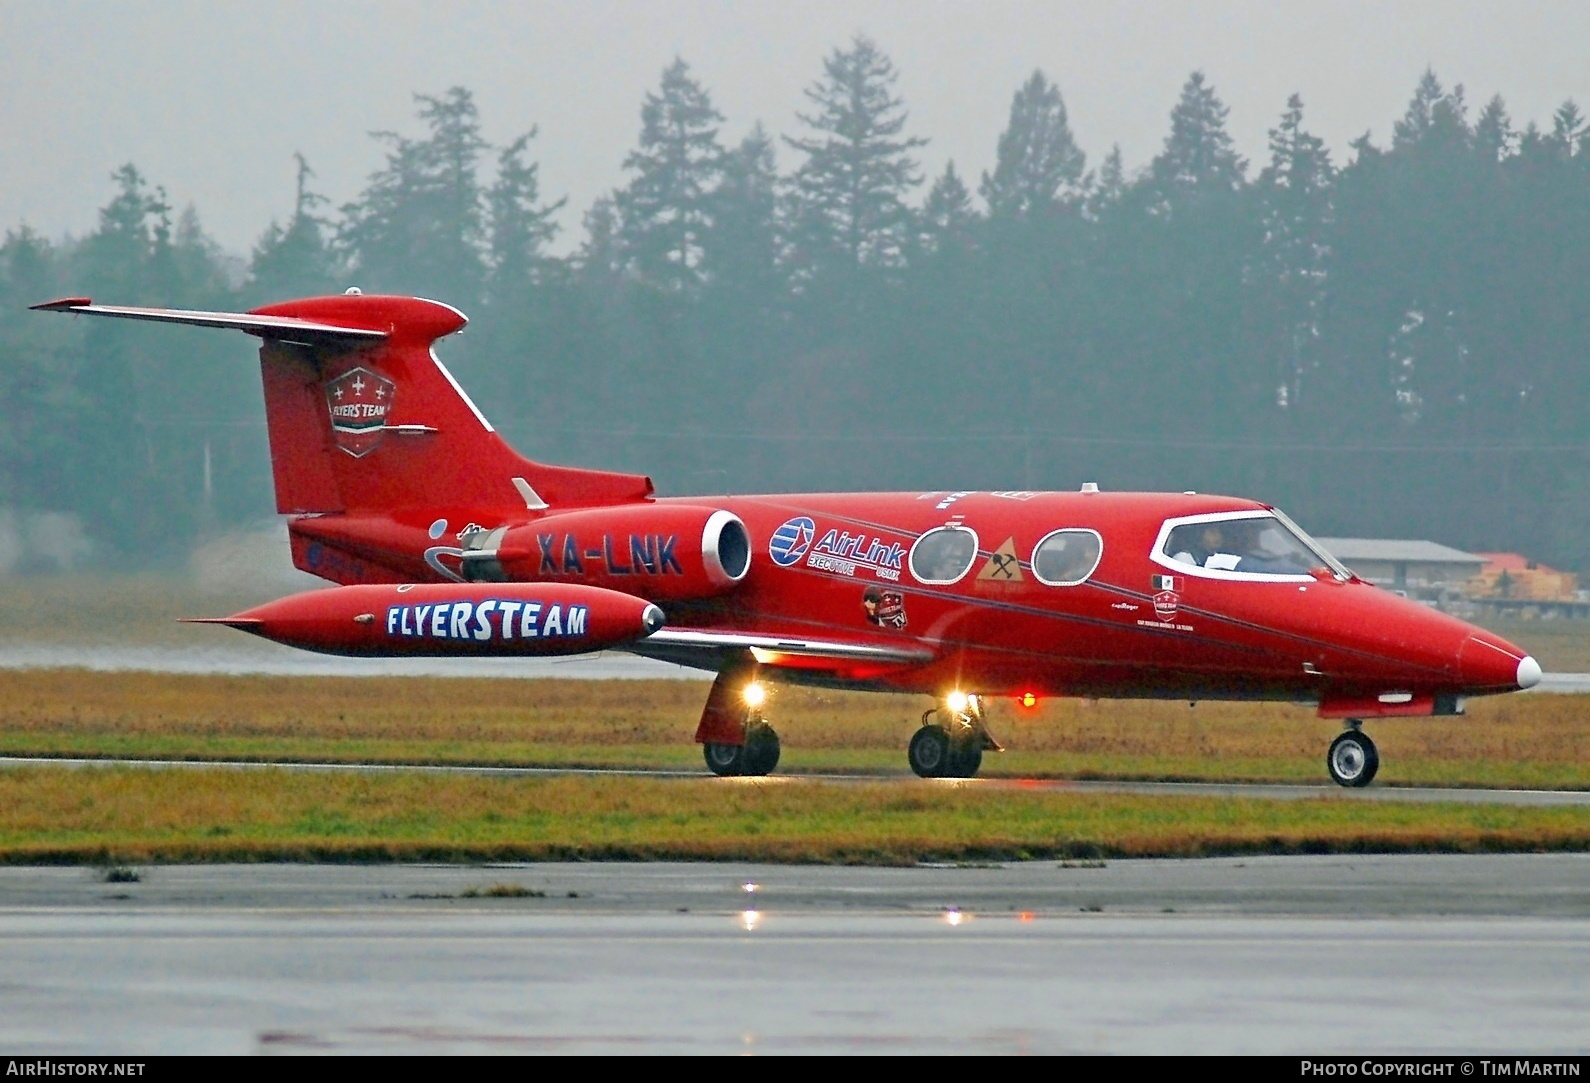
x=363, y=417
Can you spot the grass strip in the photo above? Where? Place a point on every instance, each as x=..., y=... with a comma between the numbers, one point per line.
x=1522, y=741
x=126, y=815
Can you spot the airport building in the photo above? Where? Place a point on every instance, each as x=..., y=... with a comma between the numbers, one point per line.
x=1420, y=569
x=1503, y=584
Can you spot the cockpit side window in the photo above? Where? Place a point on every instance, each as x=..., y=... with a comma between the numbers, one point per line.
x=1066, y=557
x=1241, y=546
x=943, y=555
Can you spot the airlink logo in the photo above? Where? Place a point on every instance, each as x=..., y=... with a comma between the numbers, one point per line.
x=841, y=551
x=493, y=620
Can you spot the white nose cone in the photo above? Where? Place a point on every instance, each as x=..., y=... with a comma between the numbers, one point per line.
x=1528, y=672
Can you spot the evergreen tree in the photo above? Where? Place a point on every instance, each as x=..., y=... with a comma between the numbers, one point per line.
x=600, y=259
x=1039, y=168
x=1493, y=131
x=948, y=215
x=419, y=226
x=1428, y=259
x=737, y=332
x=1294, y=192
x=1568, y=130
x=294, y=261
x=1433, y=116
x=1110, y=185
x=1193, y=235
x=38, y=399
x=1199, y=155
x=521, y=226
x=741, y=247
x=201, y=271
x=114, y=259
x=117, y=473
x=849, y=193
x=666, y=209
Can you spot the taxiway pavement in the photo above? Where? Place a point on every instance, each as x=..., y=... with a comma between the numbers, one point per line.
x=1332, y=955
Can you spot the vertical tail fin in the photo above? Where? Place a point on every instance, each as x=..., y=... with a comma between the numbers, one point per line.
x=363, y=416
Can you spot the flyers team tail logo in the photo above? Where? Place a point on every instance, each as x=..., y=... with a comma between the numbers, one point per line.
x=359, y=401
x=1167, y=596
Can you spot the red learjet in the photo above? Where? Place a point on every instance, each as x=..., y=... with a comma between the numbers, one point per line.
x=446, y=541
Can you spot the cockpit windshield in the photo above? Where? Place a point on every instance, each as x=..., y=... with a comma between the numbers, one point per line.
x=1246, y=544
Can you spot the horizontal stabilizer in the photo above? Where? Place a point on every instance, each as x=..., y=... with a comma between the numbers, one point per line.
x=278, y=328
x=363, y=417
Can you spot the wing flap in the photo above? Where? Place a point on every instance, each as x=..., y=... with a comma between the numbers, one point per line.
x=706, y=647
x=279, y=328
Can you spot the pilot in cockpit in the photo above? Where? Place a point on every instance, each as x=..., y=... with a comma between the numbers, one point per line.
x=1210, y=550
x=1238, y=546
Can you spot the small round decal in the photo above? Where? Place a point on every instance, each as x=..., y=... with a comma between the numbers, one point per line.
x=790, y=541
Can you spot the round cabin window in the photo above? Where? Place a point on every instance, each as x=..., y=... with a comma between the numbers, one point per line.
x=943, y=555
x=1067, y=557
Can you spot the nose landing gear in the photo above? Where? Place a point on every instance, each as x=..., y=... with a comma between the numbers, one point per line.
x=951, y=742
x=1353, y=758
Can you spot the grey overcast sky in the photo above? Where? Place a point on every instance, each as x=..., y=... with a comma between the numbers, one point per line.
x=210, y=98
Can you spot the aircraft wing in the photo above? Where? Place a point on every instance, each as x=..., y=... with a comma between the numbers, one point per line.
x=708, y=648
x=280, y=328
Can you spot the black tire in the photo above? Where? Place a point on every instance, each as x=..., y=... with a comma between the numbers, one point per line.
x=724, y=760
x=761, y=750
x=929, y=752
x=966, y=755
x=1352, y=760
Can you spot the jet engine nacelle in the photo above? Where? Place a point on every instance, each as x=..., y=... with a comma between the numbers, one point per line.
x=666, y=552
x=452, y=619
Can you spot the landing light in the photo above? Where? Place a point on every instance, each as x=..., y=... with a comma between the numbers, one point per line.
x=750, y=919
x=957, y=701
x=755, y=694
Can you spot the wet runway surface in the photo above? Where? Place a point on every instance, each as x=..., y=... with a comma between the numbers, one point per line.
x=1033, y=785
x=1350, y=955
x=262, y=657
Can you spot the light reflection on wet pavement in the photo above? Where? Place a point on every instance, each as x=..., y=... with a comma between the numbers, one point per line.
x=1263, y=955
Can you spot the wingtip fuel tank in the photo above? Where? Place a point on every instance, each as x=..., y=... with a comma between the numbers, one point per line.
x=452, y=620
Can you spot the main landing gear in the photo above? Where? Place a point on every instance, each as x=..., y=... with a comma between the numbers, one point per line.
x=952, y=739
x=735, y=738
x=756, y=755
x=1353, y=759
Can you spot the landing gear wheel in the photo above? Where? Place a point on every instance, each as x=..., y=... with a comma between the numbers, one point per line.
x=966, y=755
x=724, y=760
x=929, y=752
x=757, y=756
x=1352, y=759
x=761, y=750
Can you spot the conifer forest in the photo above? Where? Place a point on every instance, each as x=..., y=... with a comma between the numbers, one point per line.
x=1393, y=342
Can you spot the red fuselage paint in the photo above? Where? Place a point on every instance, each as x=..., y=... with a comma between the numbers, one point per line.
x=1336, y=642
